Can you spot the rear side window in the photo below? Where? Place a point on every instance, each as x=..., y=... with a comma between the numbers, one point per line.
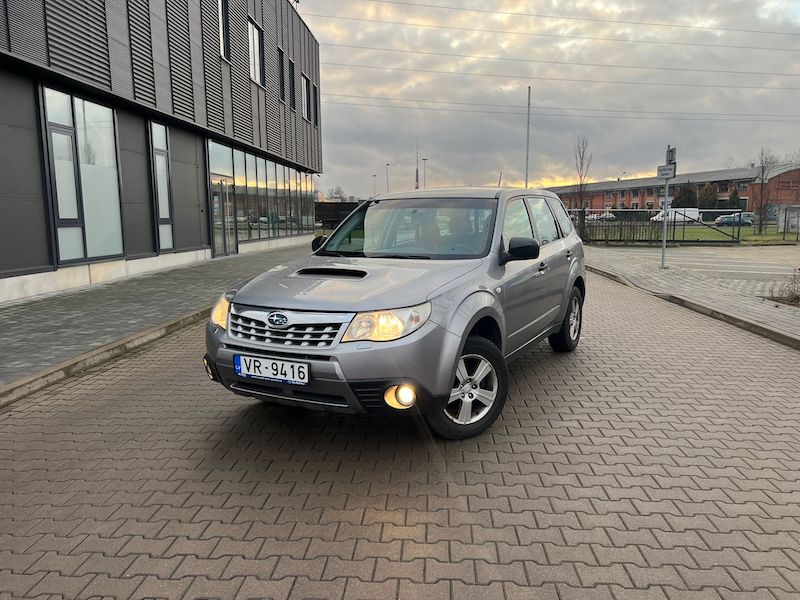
x=543, y=220
x=561, y=216
x=516, y=222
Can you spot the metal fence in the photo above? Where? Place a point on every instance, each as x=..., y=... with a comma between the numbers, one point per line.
x=645, y=226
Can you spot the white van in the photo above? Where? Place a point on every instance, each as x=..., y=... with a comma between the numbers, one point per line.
x=679, y=215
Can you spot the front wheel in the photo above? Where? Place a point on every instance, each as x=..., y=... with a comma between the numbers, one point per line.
x=479, y=391
x=567, y=338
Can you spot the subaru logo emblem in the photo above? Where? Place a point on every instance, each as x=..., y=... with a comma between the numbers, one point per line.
x=278, y=320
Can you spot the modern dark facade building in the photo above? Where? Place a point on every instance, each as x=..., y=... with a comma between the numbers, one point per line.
x=142, y=134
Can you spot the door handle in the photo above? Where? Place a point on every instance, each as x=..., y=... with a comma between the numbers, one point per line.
x=543, y=267
x=569, y=254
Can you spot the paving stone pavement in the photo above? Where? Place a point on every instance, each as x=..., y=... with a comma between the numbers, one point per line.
x=739, y=294
x=608, y=476
x=46, y=331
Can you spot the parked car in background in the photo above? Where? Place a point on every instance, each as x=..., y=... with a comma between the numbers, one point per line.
x=605, y=216
x=678, y=215
x=744, y=219
x=418, y=299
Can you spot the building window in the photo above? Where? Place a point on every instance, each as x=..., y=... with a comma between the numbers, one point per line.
x=305, y=91
x=650, y=204
x=292, y=87
x=281, y=76
x=83, y=166
x=224, y=30
x=256, y=37
x=635, y=205
x=159, y=147
x=316, y=106
x=635, y=193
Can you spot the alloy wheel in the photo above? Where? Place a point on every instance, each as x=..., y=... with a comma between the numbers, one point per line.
x=574, y=318
x=474, y=390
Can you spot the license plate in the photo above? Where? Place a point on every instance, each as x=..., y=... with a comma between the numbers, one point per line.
x=271, y=369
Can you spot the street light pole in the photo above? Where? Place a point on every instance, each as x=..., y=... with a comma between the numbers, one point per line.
x=424, y=173
x=374, y=184
x=387, y=178
x=528, y=138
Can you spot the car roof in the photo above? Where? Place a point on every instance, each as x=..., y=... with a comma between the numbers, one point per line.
x=502, y=193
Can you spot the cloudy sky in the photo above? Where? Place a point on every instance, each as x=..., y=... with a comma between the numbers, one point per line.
x=457, y=79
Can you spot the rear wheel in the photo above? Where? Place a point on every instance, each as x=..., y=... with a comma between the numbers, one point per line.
x=479, y=391
x=567, y=338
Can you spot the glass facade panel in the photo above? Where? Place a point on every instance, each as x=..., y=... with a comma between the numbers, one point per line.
x=165, y=236
x=252, y=197
x=159, y=137
x=97, y=153
x=240, y=192
x=59, y=107
x=66, y=194
x=162, y=186
x=219, y=159
x=291, y=186
x=263, y=207
x=70, y=243
x=272, y=199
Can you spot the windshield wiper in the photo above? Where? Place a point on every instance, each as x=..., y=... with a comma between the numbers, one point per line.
x=408, y=256
x=342, y=253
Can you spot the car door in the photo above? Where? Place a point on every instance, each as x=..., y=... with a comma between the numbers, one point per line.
x=555, y=257
x=522, y=281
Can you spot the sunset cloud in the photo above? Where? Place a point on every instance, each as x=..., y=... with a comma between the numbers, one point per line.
x=465, y=144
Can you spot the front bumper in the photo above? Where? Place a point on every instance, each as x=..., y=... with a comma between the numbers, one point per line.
x=348, y=377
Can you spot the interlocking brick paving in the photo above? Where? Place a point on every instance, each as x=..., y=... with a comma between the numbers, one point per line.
x=734, y=281
x=660, y=460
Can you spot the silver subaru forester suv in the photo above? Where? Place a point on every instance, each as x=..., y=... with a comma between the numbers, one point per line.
x=417, y=302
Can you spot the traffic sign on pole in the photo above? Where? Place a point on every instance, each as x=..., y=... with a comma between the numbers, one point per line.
x=666, y=172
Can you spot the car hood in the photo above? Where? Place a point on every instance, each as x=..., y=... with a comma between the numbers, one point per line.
x=343, y=284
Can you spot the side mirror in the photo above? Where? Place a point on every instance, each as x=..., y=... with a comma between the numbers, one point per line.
x=521, y=249
x=317, y=242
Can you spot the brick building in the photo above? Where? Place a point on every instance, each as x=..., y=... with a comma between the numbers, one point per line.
x=783, y=187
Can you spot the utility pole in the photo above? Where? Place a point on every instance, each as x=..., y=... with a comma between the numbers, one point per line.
x=387, y=178
x=416, y=181
x=528, y=138
x=374, y=184
x=424, y=172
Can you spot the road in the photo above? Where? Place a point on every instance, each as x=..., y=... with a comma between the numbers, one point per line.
x=660, y=460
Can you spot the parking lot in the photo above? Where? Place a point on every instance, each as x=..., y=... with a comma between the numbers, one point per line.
x=660, y=460
x=760, y=262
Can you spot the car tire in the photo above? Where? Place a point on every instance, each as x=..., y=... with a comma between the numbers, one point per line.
x=474, y=404
x=567, y=338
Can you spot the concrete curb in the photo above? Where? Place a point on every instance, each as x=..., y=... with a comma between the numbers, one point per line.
x=740, y=322
x=20, y=388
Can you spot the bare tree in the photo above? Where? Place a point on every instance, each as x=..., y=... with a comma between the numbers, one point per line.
x=765, y=162
x=583, y=162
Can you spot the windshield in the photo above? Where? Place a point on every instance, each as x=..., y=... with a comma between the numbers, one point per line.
x=436, y=228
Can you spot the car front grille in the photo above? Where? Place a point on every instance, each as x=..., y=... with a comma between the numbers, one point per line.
x=305, y=330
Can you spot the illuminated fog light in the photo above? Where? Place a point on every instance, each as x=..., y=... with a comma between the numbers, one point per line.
x=400, y=397
x=405, y=395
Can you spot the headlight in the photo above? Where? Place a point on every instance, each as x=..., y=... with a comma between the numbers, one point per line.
x=387, y=325
x=219, y=314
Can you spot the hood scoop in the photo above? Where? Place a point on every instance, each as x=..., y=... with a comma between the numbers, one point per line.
x=330, y=273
